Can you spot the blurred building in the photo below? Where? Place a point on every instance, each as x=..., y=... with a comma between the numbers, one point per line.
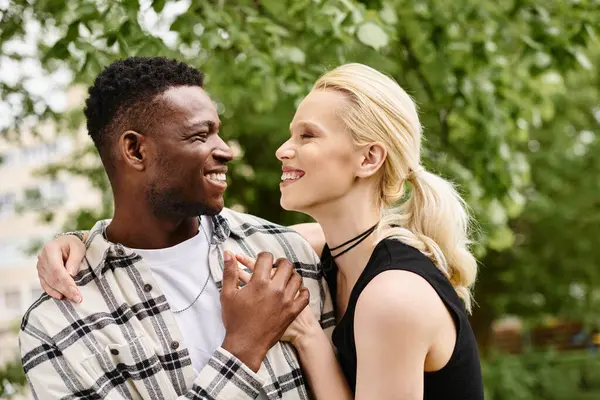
x=20, y=224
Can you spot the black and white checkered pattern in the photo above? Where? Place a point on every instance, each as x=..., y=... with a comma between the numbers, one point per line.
x=122, y=341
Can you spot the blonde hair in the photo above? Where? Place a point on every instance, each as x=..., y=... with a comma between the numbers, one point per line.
x=434, y=218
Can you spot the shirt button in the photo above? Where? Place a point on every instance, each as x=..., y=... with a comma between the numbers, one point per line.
x=147, y=287
x=175, y=345
x=114, y=352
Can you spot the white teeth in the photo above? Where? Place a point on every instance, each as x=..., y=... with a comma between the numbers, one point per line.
x=217, y=177
x=290, y=176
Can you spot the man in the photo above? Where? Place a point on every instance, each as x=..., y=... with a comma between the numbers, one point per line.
x=153, y=323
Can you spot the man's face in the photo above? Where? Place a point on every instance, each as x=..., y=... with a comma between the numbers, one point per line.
x=187, y=176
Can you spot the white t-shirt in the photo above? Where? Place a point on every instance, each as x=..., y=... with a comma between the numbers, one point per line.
x=183, y=274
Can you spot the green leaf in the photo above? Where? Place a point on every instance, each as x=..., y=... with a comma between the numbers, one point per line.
x=10, y=27
x=388, y=14
x=132, y=7
x=72, y=32
x=502, y=239
x=124, y=47
x=86, y=47
x=274, y=7
x=184, y=23
x=87, y=12
x=372, y=35
x=59, y=51
x=111, y=38
x=158, y=5
x=583, y=60
x=496, y=213
x=291, y=54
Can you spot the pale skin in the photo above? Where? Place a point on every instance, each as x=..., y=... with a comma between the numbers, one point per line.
x=402, y=327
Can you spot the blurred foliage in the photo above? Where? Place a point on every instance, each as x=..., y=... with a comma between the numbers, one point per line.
x=12, y=379
x=509, y=95
x=12, y=376
x=548, y=376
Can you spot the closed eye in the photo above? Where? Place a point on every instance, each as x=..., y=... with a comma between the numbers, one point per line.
x=200, y=136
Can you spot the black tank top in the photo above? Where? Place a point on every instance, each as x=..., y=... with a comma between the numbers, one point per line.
x=461, y=377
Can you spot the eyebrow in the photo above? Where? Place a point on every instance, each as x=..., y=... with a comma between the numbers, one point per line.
x=207, y=123
x=310, y=125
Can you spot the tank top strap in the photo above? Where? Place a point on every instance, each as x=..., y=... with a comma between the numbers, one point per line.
x=391, y=254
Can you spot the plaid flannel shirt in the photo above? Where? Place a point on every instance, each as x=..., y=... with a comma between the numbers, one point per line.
x=122, y=341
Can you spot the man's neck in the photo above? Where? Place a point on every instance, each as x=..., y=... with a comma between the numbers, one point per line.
x=149, y=232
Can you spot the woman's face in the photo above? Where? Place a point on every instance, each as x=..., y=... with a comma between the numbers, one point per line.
x=319, y=159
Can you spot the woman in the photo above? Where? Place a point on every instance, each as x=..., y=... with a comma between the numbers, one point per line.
x=400, y=277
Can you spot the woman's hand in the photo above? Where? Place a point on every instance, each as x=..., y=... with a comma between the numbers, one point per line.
x=58, y=262
x=304, y=327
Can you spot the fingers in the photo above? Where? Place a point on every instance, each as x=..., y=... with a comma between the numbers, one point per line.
x=301, y=301
x=245, y=276
x=246, y=261
x=51, y=258
x=284, y=269
x=230, y=274
x=293, y=286
x=52, y=271
x=60, y=280
x=263, y=267
x=51, y=292
x=75, y=255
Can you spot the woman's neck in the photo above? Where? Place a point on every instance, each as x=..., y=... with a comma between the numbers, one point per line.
x=343, y=220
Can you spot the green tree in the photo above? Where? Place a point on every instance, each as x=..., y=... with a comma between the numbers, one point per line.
x=553, y=269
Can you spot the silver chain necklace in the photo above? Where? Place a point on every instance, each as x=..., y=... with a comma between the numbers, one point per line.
x=205, y=283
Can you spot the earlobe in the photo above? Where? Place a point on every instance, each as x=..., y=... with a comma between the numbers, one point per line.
x=132, y=146
x=373, y=157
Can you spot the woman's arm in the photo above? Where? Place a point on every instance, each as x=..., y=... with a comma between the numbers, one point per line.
x=320, y=366
x=395, y=326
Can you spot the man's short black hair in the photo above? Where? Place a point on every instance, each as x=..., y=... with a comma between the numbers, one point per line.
x=122, y=95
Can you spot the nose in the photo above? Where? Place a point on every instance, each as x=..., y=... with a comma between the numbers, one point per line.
x=222, y=151
x=285, y=151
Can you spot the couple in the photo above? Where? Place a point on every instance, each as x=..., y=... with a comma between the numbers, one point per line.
x=160, y=307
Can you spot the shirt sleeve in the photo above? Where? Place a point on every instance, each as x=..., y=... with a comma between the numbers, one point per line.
x=225, y=377
x=51, y=376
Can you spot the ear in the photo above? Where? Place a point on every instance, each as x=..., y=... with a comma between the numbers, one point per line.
x=372, y=158
x=133, y=147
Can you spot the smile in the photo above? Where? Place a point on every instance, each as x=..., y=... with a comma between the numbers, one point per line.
x=289, y=177
x=218, y=178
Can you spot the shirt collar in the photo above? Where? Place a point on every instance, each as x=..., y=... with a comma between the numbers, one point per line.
x=99, y=249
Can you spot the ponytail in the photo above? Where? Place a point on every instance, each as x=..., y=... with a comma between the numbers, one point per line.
x=434, y=220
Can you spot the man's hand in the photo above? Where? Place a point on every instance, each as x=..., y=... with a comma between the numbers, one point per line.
x=57, y=263
x=256, y=315
x=303, y=329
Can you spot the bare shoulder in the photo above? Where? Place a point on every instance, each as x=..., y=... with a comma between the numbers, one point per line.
x=313, y=234
x=397, y=301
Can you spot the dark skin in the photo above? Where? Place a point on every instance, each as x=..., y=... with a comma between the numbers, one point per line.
x=161, y=184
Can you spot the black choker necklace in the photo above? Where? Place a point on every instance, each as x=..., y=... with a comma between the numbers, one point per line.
x=358, y=239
